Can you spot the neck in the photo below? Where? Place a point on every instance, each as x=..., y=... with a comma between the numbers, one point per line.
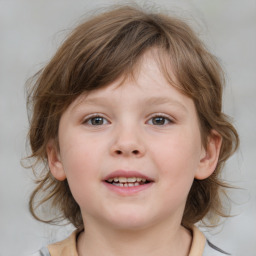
x=159, y=240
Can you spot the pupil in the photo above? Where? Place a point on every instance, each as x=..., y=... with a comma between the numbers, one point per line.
x=97, y=121
x=158, y=120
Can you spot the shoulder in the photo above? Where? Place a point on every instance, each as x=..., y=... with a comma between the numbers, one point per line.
x=212, y=250
x=65, y=247
x=43, y=252
x=202, y=246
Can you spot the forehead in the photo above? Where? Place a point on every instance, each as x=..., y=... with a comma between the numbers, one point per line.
x=147, y=83
x=154, y=64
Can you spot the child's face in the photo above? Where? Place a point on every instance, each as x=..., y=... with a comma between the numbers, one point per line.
x=143, y=128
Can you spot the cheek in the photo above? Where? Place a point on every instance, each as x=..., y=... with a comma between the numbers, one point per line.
x=177, y=158
x=79, y=163
x=81, y=177
x=180, y=150
x=78, y=152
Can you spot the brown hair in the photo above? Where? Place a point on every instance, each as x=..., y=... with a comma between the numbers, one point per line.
x=105, y=48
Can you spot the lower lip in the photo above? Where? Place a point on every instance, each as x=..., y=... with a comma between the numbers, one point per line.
x=126, y=191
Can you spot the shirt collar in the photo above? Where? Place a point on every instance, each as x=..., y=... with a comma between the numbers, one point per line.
x=68, y=247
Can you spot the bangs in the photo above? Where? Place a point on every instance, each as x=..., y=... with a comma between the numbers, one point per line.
x=110, y=47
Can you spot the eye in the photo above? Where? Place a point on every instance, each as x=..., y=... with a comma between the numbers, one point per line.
x=96, y=120
x=159, y=120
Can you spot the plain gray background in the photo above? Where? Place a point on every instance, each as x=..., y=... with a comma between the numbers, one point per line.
x=31, y=31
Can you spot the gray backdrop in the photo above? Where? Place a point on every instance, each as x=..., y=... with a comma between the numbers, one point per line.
x=30, y=32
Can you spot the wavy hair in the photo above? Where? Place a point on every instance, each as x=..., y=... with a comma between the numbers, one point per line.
x=98, y=52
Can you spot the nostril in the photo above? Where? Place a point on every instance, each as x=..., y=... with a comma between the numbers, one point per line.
x=135, y=152
x=119, y=152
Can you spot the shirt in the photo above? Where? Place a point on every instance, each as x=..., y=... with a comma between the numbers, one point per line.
x=200, y=246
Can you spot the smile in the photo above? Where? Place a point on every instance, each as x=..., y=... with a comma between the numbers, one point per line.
x=127, y=182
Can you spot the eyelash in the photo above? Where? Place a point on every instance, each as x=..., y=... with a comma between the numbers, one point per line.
x=162, y=117
x=89, y=119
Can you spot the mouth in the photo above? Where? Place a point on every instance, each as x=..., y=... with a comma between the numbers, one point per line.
x=127, y=182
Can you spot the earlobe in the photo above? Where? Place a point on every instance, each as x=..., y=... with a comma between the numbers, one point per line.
x=210, y=156
x=54, y=161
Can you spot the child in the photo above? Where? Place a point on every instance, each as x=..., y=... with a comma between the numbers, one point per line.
x=127, y=119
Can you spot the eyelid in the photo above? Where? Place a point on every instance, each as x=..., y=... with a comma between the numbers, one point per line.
x=168, y=117
x=90, y=116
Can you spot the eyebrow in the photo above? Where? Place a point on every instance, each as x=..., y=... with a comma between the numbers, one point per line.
x=165, y=100
x=148, y=101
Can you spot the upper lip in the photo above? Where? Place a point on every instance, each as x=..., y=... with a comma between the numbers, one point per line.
x=127, y=174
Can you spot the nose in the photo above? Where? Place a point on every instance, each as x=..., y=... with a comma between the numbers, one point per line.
x=128, y=144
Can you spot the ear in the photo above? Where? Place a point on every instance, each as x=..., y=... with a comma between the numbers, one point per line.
x=210, y=156
x=54, y=161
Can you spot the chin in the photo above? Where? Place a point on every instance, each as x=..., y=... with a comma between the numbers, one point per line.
x=130, y=221
x=130, y=225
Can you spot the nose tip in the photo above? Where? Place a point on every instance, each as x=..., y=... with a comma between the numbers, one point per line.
x=127, y=142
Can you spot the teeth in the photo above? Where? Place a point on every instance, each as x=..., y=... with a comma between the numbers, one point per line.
x=133, y=179
x=125, y=180
x=126, y=184
x=122, y=179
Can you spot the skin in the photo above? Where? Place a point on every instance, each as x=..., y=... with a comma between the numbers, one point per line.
x=145, y=125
